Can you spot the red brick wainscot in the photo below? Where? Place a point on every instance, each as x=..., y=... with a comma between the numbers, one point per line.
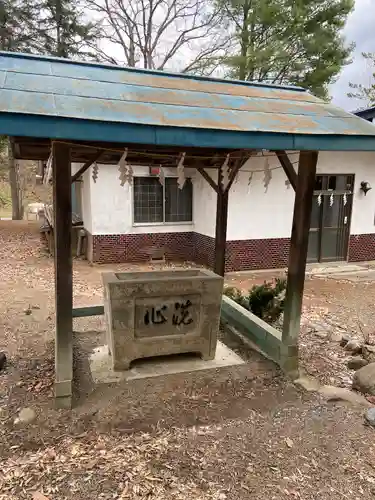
x=190, y=246
x=361, y=247
x=140, y=247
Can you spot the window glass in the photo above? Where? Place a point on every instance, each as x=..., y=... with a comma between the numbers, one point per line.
x=148, y=200
x=155, y=203
x=178, y=202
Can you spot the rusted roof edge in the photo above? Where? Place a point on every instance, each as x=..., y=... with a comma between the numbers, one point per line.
x=20, y=55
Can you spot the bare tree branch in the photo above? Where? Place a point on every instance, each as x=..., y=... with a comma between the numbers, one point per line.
x=161, y=33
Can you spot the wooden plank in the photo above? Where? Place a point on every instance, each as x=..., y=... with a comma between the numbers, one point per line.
x=84, y=312
x=264, y=336
x=298, y=256
x=87, y=165
x=63, y=274
x=288, y=168
x=208, y=178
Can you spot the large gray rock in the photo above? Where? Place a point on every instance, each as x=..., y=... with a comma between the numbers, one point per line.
x=370, y=416
x=356, y=363
x=364, y=379
x=25, y=416
x=332, y=393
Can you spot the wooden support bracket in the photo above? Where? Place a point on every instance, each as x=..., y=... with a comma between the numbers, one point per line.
x=84, y=167
x=232, y=174
x=208, y=178
x=288, y=168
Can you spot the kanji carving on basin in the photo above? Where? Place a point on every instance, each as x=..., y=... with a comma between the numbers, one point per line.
x=161, y=312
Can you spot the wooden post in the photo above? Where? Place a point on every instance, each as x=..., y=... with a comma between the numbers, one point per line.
x=222, y=218
x=221, y=229
x=63, y=275
x=221, y=213
x=297, y=260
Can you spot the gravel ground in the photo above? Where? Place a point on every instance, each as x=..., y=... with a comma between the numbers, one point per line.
x=237, y=433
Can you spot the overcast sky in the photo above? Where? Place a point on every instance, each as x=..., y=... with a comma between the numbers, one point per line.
x=361, y=30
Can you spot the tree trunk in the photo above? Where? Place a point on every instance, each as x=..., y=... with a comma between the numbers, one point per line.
x=244, y=41
x=15, y=188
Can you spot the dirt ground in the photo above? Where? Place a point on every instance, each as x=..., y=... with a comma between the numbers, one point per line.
x=236, y=433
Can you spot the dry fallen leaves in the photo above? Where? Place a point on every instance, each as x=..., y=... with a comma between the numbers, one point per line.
x=289, y=442
x=124, y=464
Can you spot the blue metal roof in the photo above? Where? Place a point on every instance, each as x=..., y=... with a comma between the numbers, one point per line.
x=62, y=99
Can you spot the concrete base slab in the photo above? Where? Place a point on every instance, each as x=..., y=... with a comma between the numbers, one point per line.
x=321, y=270
x=102, y=372
x=366, y=276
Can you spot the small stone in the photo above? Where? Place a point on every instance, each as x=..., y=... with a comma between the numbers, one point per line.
x=310, y=384
x=368, y=352
x=356, y=363
x=332, y=393
x=364, y=379
x=321, y=334
x=3, y=359
x=344, y=340
x=353, y=346
x=337, y=337
x=25, y=416
x=370, y=416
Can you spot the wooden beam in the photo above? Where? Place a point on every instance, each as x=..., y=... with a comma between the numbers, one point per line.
x=208, y=178
x=288, y=168
x=15, y=147
x=63, y=274
x=84, y=167
x=84, y=312
x=297, y=258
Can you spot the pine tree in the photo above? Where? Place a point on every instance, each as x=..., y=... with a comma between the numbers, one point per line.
x=288, y=41
x=17, y=32
x=64, y=31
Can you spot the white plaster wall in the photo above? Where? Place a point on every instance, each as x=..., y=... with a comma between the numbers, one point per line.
x=204, y=207
x=362, y=165
x=111, y=204
x=254, y=211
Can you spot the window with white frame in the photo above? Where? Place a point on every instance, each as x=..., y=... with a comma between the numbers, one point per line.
x=155, y=203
